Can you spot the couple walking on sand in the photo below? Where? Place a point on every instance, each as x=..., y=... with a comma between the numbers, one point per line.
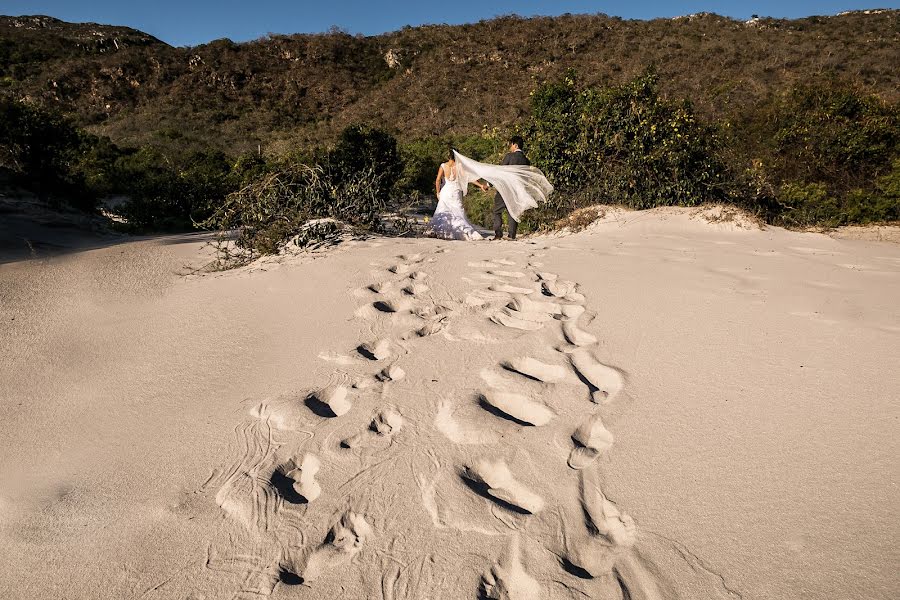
x=519, y=187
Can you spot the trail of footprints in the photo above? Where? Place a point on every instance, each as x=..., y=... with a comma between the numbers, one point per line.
x=255, y=490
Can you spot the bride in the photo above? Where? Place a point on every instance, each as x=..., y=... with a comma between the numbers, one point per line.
x=449, y=220
x=520, y=187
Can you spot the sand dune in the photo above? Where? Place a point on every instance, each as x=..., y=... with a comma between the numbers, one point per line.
x=657, y=407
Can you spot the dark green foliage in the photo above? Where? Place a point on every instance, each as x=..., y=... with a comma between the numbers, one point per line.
x=421, y=158
x=42, y=151
x=833, y=133
x=360, y=148
x=95, y=165
x=151, y=182
x=812, y=204
x=820, y=155
x=625, y=142
x=816, y=156
x=167, y=194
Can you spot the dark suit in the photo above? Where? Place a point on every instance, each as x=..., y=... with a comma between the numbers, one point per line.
x=512, y=158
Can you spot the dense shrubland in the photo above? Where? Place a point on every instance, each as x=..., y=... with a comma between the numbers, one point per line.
x=817, y=155
x=818, y=148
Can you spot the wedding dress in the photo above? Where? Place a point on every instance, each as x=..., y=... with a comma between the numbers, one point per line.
x=449, y=220
x=521, y=187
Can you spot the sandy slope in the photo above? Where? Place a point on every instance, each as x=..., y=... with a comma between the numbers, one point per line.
x=658, y=407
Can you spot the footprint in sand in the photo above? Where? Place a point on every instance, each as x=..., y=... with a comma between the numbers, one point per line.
x=418, y=275
x=605, y=382
x=510, y=289
x=377, y=350
x=574, y=334
x=432, y=311
x=508, y=274
x=557, y=288
x=609, y=532
x=381, y=287
x=330, y=401
x=591, y=440
x=494, y=480
x=571, y=312
x=346, y=539
x=535, y=369
x=286, y=414
x=484, y=264
x=385, y=424
x=391, y=373
x=526, y=304
x=432, y=327
x=516, y=320
x=415, y=289
x=508, y=580
x=518, y=407
x=400, y=269
x=303, y=477
x=392, y=306
x=605, y=517
x=528, y=315
x=460, y=432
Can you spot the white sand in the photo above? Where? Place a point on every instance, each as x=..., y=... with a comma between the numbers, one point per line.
x=734, y=394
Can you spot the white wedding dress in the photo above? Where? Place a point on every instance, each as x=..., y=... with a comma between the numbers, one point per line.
x=521, y=186
x=449, y=220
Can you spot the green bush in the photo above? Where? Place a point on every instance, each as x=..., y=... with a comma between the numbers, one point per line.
x=246, y=169
x=811, y=204
x=41, y=149
x=95, y=164
x=421, y=158
x=166, y=194
x=361, y=148
x=820, y=155
x=834, y=134
x=625, y=143
x=156, y=199
x=172, y=191
x=479, y=207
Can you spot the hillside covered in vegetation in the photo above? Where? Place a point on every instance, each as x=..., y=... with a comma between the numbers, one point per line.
x=795, y=120
x=422, y=81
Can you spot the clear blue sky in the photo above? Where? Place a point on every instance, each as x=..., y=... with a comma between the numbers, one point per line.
x=187, y=22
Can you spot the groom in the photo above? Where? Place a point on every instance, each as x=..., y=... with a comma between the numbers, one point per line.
x=515, y=156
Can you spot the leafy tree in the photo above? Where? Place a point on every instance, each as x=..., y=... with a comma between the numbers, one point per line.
x=626, y=142
x=41, y=150
x=360, y=148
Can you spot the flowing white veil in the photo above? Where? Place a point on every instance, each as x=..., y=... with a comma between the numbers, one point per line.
x=522, y=187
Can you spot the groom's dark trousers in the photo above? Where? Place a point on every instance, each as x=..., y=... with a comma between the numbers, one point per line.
x=512, y=158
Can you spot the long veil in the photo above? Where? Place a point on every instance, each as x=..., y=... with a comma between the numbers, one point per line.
x=522, y=187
